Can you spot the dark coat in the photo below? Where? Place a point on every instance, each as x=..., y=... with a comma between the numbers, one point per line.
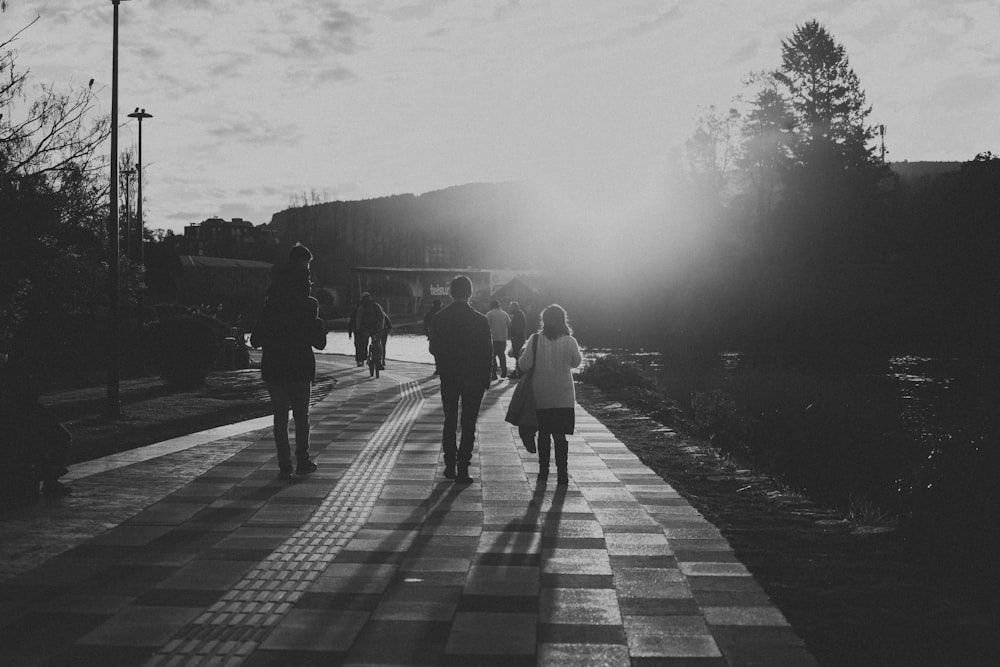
x=287, y=331
x=461, y=344
x=517, y=326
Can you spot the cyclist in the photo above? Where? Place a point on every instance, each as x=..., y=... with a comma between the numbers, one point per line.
x=369, y=320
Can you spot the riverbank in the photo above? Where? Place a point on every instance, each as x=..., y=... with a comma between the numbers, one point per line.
x=850, y=590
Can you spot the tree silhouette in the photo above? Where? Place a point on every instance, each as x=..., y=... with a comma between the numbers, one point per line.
x=826, y=99
x=767, y=154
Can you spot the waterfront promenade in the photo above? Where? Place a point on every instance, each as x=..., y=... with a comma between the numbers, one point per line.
x=193, y=552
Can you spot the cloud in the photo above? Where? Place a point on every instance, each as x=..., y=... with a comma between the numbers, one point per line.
x=638, y=29
x=146, y=52
x=253, y=131
x=416, y=12
x=506, y=9
x=185, y=5
x=745, y=53
x=335, y=75
x=264, y=190
x=230, y=67
x=972, y=89
x=653, y=25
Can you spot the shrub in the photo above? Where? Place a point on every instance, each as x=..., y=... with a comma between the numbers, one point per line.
x=717, y=416
x=630, y=383
x=612, y=373
x=184, y=349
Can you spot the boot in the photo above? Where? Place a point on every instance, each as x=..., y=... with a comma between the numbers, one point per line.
x=562, y=464
x=544, y=453
x=463, y=476
x=449, y=470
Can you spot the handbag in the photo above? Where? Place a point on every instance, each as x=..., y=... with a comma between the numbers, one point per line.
x=521, y=411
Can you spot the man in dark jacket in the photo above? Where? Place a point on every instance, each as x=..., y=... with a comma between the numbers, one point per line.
x=463, y=349
x=288, y=330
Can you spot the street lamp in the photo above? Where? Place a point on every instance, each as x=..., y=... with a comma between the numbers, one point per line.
x=140, y=114
x=128, y=174
x=113, y=408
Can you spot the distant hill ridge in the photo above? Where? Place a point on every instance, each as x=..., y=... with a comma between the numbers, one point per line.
x=909, y=171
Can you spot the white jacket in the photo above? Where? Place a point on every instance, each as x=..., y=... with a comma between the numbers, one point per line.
x=552, y=381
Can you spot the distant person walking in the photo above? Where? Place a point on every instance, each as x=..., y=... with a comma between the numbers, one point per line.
x=499, y=331
x=367, y=320
x=552, y=382
x=518, y=326
x=288, y=330
x=460, y=343
x=384, y=338
x=435, y=309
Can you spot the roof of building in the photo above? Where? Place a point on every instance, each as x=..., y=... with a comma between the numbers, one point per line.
x=392, y=269
x=223, y=262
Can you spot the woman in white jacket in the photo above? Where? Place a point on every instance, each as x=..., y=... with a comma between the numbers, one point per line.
x=552, y=382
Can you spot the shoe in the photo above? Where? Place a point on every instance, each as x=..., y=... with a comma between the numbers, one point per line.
x=360, y=364
x=305, y=468
x=464, y=478
x=543, y=475
x=562, y=479
x=55, y=489
x=449, y=471
x=285, y=473
x=493, y=376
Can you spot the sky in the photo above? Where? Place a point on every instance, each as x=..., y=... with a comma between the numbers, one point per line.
x=255, y=102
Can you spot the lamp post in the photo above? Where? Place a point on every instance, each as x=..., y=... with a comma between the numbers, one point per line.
x=128, y=174
x=140, y=114
x=113, y=407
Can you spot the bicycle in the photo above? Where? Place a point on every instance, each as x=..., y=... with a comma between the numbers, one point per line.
x=374, y=356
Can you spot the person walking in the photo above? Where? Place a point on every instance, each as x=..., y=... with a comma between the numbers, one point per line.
x=499, y=328
x=367, y=320
x=435, y=309
x=552, y=383
x=518, y=326
x=287, y=331
x=462, y=349
x=384, y=338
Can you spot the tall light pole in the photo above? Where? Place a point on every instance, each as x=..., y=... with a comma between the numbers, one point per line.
x=114, y=404
x=140, y=114
x=128, y=174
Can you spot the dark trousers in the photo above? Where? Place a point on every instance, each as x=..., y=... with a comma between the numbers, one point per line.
x=500, y=357
x=294, y=395
x=360, y=347
x=545, y=448
x=470, y=394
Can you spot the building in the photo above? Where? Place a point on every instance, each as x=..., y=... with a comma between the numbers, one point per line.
x=229, y=288
x=409, y=291
x=236, y=238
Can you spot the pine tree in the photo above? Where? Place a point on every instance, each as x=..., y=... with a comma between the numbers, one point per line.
x=826, y=100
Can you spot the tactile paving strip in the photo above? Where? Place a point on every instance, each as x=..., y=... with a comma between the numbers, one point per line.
x=232, y=628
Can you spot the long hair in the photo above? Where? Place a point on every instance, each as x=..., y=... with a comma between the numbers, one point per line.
x=554, y=324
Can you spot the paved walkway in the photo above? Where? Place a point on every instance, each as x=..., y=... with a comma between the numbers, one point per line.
x=193, y=552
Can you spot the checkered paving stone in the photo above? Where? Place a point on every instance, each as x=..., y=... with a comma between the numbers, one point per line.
x=234, y=626
x=377, y=559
